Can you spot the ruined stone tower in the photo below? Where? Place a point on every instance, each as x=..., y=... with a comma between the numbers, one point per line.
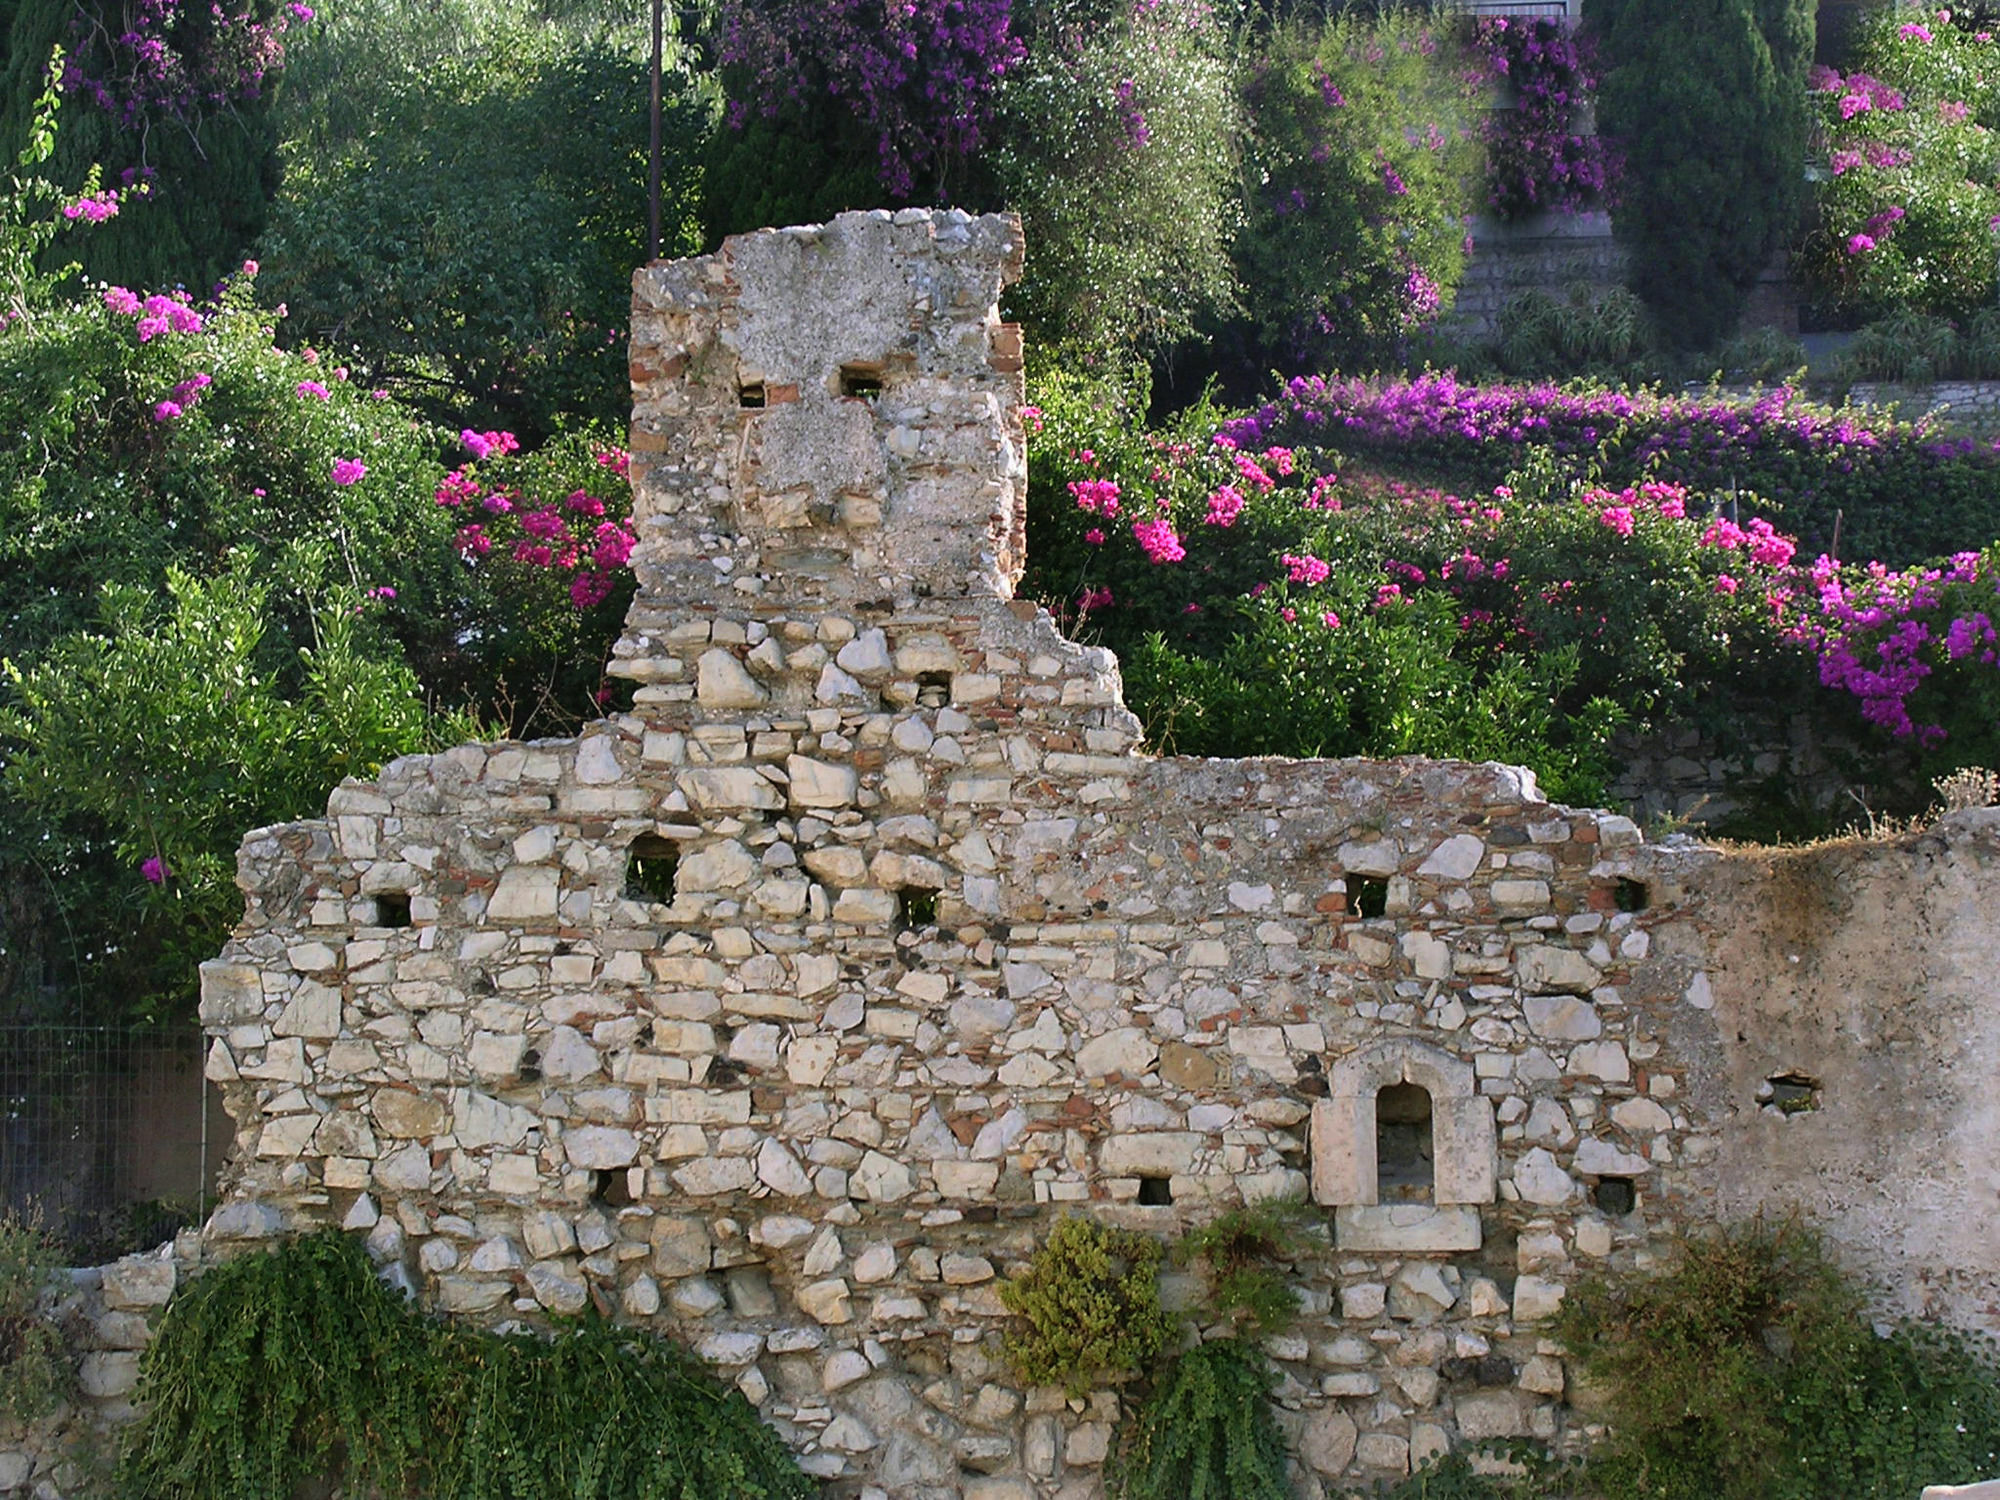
x=785, y=1012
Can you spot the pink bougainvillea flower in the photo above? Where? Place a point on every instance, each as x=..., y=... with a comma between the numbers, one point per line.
x=154, y=869
x=347, y=471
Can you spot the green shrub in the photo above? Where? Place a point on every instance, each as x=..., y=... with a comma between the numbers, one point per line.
x=1906, y=205
x=1582, y=332
x=1705, y=101
x=1118, y=147
x=1206, y=1432
x=1239, y=1247
x=1748, y=1371
x=278, y=1369
x=1090, y=1303
x=36, y=1375
x=1908, y=347
x=462, y=225
x=1360, y=176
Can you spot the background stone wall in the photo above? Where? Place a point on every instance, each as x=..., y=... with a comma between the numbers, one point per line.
x=923, y=952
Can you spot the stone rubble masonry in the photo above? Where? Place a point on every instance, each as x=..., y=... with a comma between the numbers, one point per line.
x=946, y=955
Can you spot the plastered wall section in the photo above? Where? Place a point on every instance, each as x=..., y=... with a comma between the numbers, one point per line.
x=944, y=956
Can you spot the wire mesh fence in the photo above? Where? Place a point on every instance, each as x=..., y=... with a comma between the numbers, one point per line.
x=108, y=1135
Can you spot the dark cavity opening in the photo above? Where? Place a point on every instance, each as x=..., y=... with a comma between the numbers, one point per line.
x=916, y=906
x=1369, y=895
x=1615, y=1196
x=392, y=909
x=750, y=396
x=614, y=1188
x=1155, y=1192
x=1794, y=1093
x=1631, y=895
x=1403, y=1166
x=651, y=864
x=863, y=381
x=933, y=689
x=531, y=1066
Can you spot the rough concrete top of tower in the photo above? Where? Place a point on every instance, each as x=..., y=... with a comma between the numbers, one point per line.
x=830, y=412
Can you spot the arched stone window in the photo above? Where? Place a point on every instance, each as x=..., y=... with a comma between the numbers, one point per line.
x=1404, y=1148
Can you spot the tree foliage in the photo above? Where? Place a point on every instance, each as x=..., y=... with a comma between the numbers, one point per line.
x=1704, y=100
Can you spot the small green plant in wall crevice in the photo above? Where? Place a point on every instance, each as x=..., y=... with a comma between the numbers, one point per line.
x=1089, y=1305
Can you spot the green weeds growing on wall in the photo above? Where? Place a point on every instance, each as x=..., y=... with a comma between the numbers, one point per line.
x=276, y=1370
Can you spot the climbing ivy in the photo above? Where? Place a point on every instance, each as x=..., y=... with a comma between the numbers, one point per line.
x=1206, y=1432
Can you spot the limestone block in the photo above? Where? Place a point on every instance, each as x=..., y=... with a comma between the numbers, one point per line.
x=1539, y=1179
x=1128, y=1050
x=818, y=783
x=681, y=1246
x=524, y=893
x=138, y=1282
x=828, y=1302
x=882, y=1179
x=314, y=1011
x=1406, y=1228
x=1148, y=1153
x=707, y=1177
x=1542, y=967
x=722, y=681
x=1599, y=1158
x=728, y=788
x=230, y=993
x=1490, y=1414
x=1455, y=859
x=1329, y=1441
x=410, y=1116
x=1562, y=1018
x=1536, y=1299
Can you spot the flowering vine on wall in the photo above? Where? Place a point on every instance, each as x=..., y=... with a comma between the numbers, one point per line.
x=1541, y=155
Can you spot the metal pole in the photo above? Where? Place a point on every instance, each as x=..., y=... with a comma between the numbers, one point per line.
x=653, y=160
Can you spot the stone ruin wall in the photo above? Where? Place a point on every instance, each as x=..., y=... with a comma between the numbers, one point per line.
x=946, y=956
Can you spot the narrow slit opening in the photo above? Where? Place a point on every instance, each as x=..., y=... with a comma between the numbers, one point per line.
x=1368, y=895
x=652, y=864
x=1404, y=1169
x=750, y=395
x=1156, y=1192
x=916, y=906
x=392, y=909
x=861, y=381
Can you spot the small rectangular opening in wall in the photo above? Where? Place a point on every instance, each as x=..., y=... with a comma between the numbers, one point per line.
x=1616, y=1196
x=1631, y=895
x=613, y=1189
x=651, y=867
x=1368, y=895
x=861, y=381
x=1792, y=1093
x=392, y=909
x=916, y=906
x=1156, y=1192
x=933, y=689
x=750, y=395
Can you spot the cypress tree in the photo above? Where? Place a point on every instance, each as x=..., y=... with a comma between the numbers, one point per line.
x=1706, y=102
x=213, y=175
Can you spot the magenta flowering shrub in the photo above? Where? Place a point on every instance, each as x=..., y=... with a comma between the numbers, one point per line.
x=1268, y=594
x=918, y=75
x=516, y=512
x=1909, y=209
x=175, y=59
x=1538, y=155
x=1896, y=490
x=1359, y=184
x=1918, y=648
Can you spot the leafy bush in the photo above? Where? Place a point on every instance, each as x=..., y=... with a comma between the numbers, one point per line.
x=1206, y=1432
x=1269, y=599
x=386, y=242
x=1119, y=150
x=277, y=1369
x=35, y=1370
x=1240, y=1247
x=1748, y=1370
x=170, y=104
x=1907, y=207
x=1704, y=104
x=1585, y=330
x=160, y=439
x=1897, y=490
x=1360, y=179
x=1090, y=1302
